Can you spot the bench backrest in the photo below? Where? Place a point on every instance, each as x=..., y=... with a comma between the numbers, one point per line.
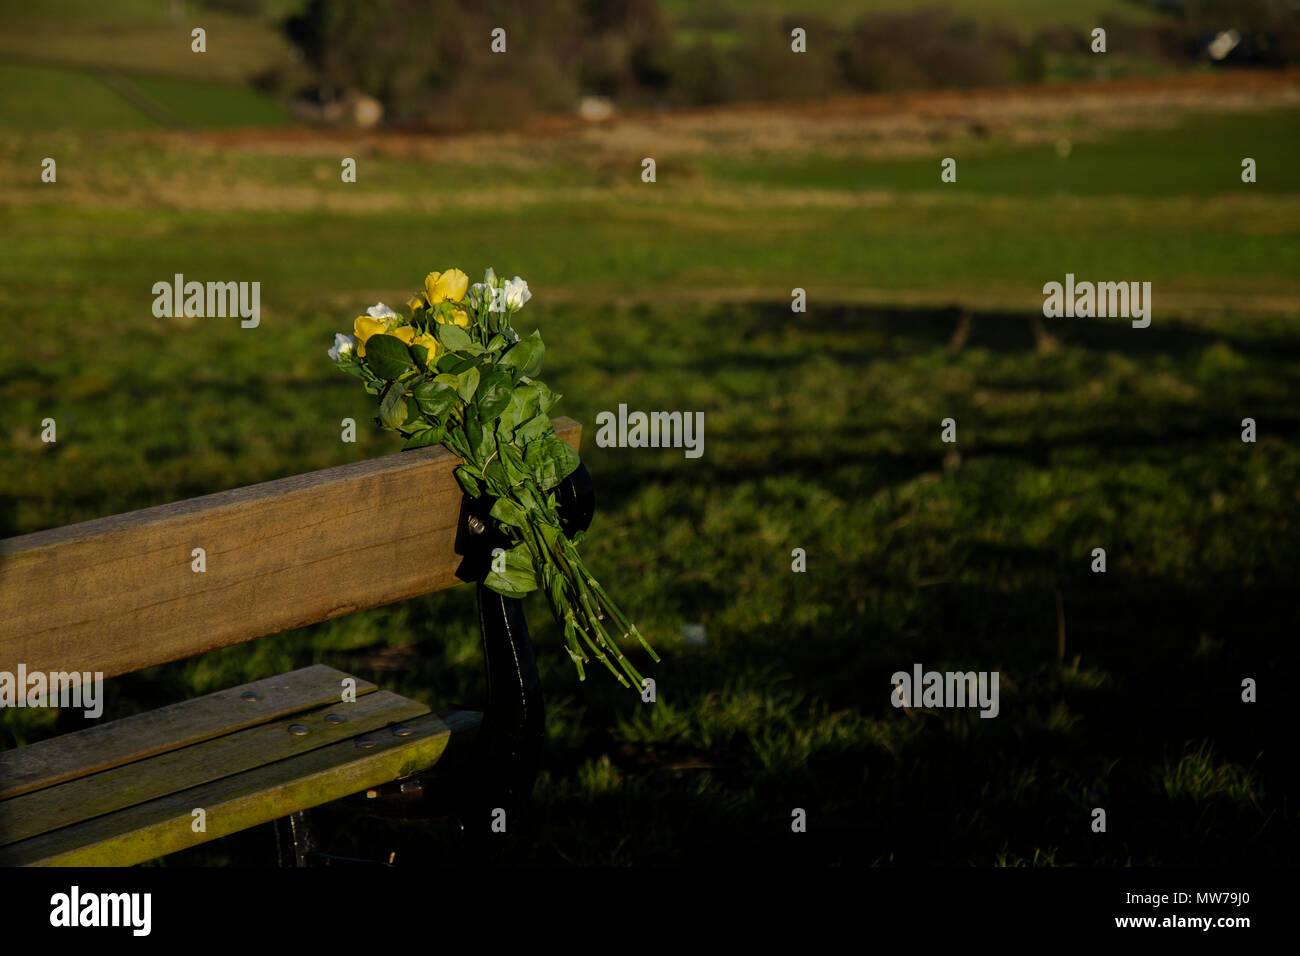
x=119, y=594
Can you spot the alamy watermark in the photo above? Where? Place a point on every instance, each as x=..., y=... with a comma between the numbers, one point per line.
x=75, y=908
x=75, y=689
x=923, y=688
x=1126, y=300
x=651, y=430
x=210, y=300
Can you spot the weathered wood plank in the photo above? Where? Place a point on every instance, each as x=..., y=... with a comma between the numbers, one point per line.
x=48, y=762
x=235, y=803
x=85, y=797
x=118, y=594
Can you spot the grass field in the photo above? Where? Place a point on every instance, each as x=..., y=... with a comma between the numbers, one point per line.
x=39, y=98
x=62, y=65
x=822, y=432
x=146, y=36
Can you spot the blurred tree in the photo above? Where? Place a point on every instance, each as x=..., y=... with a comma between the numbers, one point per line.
x=430, y=61
x=393, y=50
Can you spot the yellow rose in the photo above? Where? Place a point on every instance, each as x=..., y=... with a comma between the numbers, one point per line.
x=406, y=333
x=449, y=286
x=363, y=328
x=415, y=303
x=459, y=317
x=430, y=343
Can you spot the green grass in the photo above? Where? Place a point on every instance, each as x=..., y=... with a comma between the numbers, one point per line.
x=202, y=104
x=822, y=432
x=93, y=11
x=42, y=97
x=907, y=247
x=141, y=37
x=1167, y=205
x=55, y=51
x=38, y=98
x=1201, y=156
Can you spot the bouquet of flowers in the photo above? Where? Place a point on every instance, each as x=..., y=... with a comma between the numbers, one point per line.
x=457, y=374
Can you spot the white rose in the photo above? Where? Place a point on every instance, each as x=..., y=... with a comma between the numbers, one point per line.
x=516, y=293
x=343, y=345
x=381, y=311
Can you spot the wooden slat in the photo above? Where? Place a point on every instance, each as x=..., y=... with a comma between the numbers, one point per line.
x=117, y=742
x=86, y=797
x=236, y=803
x=118, y=594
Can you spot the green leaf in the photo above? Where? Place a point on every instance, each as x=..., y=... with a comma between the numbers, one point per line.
x=435, y=398
x=533, y=429
x=474, y=435
x=525, y=356
x=467, y=482
x=487, y=446
x=546, y=399
x=388, y=357
x=446, y=361
x=353, y=368
x=505, y=425
x=507, y=512
x=525, y=403
x=518, y=578
x=392, y=405
x=496, y=475
x=493, y=395
x=466, y=383
x=514, y=460
x=550, y=462
x=425, y=437
x=452, y=336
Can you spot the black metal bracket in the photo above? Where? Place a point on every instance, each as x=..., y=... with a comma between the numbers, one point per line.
x=508, y=752
x=295, y=840
x=510, y=743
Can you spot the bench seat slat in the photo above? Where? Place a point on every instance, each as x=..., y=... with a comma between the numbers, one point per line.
x=49, y=762
x=85, y=797
x=158, y=827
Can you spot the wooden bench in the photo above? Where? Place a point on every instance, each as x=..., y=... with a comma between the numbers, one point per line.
x=119, y=594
